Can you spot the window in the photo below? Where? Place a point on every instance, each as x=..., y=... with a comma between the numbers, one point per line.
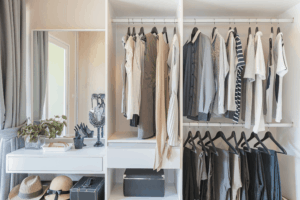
x=58, y=65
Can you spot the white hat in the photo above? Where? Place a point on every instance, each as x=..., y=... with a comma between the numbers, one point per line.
x=59, y=188
x=30, y=188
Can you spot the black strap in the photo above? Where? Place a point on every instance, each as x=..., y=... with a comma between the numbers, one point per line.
x=57, y=192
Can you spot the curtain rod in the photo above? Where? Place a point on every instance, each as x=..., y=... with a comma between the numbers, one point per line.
x=287, y=125
x=199, y=20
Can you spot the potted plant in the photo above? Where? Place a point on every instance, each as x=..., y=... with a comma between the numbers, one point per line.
x=36, y=133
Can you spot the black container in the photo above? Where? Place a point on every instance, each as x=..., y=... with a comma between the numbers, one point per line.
x=78, y=143
x=143, y=183
x=88, y=188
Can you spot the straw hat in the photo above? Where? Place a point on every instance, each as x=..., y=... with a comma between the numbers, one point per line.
x=60, y=186
x=30, y=188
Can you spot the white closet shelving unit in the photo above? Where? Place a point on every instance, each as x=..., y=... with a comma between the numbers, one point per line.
x=124, y=150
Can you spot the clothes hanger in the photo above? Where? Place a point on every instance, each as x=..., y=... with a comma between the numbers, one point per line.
x=243, y=137
x=278, y=30
x=141, y=31
x=254, y=135
x=198, y=135
x=189, y=140
x=194, y=31
x=213, y=32
x=269, y=135
x=220, y=134
x=154, y=30
x=249, y=32
x=235, y=31
x=133, y=31
x=165, y=32
x=128, y=31
x=174, y=31
x=207, y=135
x=233, y=135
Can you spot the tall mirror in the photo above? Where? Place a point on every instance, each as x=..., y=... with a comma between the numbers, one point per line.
x=68, y=73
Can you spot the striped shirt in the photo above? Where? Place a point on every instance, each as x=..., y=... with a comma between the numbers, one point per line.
x=238, y=85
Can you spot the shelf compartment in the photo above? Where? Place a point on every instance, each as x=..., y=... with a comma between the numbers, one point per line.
x=129, y=137
x=117, y=193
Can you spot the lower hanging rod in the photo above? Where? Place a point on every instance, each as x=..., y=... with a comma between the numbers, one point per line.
x=287, y=125
x=145, y=20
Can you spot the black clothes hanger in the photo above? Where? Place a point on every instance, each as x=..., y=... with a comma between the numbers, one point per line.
x=233, y=135
x=249, y=32
x=256, y=29
x=198, y=135
x=235, y=31
x=269, y=135
x=141, y=31
x=213, y=32
x=194, y=31
x=174, y=30
x=272, y=30
x=165, y=32
x=154, y=30
x=190, y=140
x=133, y=31
x=243, y=137
x=207, y=135
x=278, y=30
x=220, y=134
x=254, y=135
x=128, y=31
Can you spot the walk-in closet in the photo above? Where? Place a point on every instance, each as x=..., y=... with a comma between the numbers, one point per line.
x=213, y=114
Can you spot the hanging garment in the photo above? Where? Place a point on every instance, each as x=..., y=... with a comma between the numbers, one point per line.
x=146, y=127
x=235, y=176
x=221, y=175
x=272, y=175
x=129, y=71
x=270, y=82
x=138, y=62
x=221, y=69
x=199, y=82
x=248, y=79
x=230, y=105
x=124, y=77
x=172, y=120
x=207, y=185
x=281, y=68
x=260, y=74
x=257, y=178
x=238, y=84
x=190, y=189
x=201, y=172
x=160, y=107
x=243, y=192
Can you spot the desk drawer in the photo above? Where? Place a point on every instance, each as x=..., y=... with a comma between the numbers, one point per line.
x=54, y=164
x=138, y=157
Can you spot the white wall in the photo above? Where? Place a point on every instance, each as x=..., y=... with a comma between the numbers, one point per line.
x=290, y=137
x=91, y=72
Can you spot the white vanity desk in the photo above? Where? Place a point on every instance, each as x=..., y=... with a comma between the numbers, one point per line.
x=88, y=160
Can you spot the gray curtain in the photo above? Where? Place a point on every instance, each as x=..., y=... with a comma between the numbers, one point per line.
x=40, y=69
x=12, y=86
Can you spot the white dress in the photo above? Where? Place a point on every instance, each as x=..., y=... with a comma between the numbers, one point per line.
x=281, y=69
x=260, y=74
x=129, y=70
x=172, y=120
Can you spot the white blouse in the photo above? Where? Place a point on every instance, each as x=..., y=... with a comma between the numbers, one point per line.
x=172, y=120
x=129, y=70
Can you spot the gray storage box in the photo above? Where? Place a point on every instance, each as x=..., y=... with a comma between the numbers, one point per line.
x=91, y=188
x=143, y=183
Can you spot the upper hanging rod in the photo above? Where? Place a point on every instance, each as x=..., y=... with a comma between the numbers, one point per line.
x=233, y=20
x=288, y=125
x=144, y=20
x=199, y=20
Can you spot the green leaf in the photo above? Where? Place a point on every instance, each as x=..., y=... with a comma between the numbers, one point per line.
x=64, y=117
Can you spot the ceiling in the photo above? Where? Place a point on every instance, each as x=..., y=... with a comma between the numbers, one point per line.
x=236, y=8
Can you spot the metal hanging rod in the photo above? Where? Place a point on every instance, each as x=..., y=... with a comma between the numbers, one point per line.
x=199, y=20
x=282, y=125
x=145, y=20
x=232, y=20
